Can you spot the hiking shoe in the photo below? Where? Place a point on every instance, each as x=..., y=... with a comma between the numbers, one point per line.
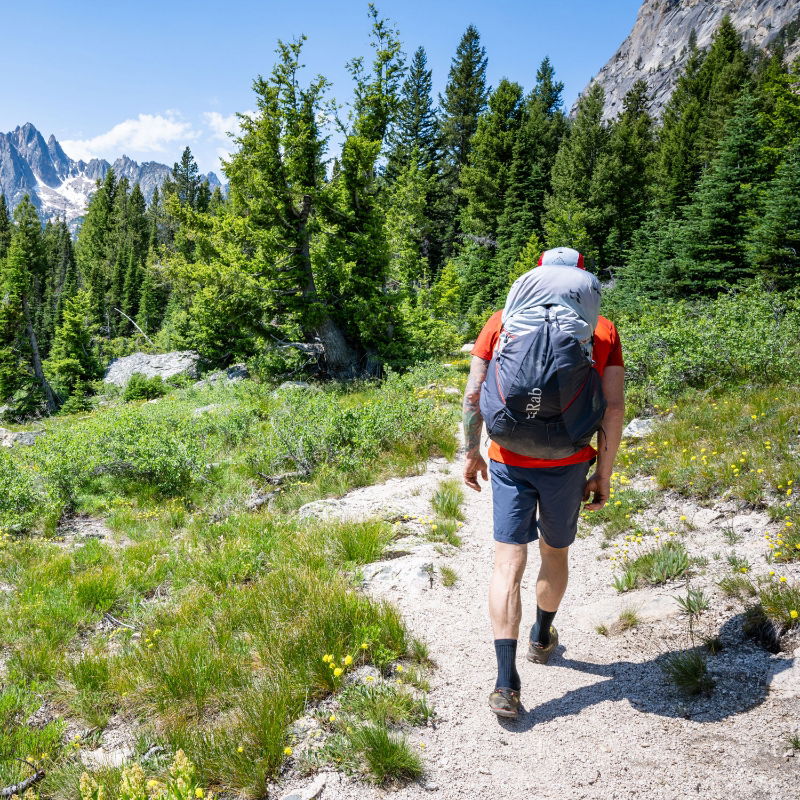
x=539, y=654
x=504, y=703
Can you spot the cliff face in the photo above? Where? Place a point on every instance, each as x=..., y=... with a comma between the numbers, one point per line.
x=656, y=48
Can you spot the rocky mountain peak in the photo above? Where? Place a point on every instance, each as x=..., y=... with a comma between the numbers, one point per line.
x=657, y=47
x=60, y=186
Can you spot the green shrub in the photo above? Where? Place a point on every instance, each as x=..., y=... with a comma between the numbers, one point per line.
x=140, y=387
x=748, y=335
x=20, y=498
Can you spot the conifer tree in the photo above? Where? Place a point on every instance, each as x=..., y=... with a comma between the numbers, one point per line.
x=713, y=250
x=485, y=181
x=5, y=227
x=464, y=100
x=695, y=115
x=571, y=219
x=21, y=283
x=408, y=224
x=61, y=279
x=541, y=131
x=74, y=359
x=414, y=133
x=621, y=184
x=95, y=247
x=774, y=242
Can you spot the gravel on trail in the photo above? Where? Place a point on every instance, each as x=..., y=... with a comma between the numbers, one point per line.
x=599, y=720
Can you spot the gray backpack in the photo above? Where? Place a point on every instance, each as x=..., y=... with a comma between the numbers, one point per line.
x=542, y=397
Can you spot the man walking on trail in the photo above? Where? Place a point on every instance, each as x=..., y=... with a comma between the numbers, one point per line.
x=536, y=343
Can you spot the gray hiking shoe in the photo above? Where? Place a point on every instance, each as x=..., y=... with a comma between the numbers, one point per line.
x=504, y=703
x=539, y=654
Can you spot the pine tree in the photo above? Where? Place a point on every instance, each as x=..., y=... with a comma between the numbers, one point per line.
x=464, y=100
x=571, y=219
x=21, y=289
x=695, y=115
x=485, y=182
x=777, y=88
x=186, y=181
x=542, y=128
x=74, y=360
x=217, y=201
x=408, y=225
x=5, y=227
x=774, y=242
x=717, y=221
x=621, y=185
x=414, y=132
x=95, y=248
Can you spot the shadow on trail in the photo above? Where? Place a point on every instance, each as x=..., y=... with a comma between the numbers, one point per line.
x=740, y=671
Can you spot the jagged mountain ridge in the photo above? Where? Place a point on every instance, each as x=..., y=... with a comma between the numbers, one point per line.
x=60, y=186
x=657, y=47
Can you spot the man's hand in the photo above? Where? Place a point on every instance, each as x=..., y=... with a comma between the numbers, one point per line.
x=600, y=489
x=472, y=466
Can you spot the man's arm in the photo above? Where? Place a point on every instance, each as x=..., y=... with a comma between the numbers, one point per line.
x=473, y=423
x=608, y=439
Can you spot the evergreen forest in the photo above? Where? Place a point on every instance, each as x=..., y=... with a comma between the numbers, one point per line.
x=394, y=246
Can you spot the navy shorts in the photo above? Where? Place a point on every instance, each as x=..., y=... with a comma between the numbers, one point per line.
x=530, y=500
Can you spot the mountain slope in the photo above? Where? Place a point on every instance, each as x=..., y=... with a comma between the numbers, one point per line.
x=60, y=186
x=657, y=47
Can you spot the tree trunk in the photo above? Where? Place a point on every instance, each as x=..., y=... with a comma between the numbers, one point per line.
x=340, y=359
x=49, y=396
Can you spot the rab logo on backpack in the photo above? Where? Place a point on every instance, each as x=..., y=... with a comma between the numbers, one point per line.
x=542, y=397
x=535, y=403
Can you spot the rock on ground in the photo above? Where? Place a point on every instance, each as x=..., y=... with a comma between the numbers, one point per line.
x=233, y=374
x=639, y=427
x=11, y=438
x=167, y=365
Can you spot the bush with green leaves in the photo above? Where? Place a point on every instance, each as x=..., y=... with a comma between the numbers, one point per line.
x=20, y=497
x=140, y=387
x=748, y=335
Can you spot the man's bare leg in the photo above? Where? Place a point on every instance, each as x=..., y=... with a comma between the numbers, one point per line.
x=551, y=584
x=505, y=611
x=505, y=604
x=553, y=574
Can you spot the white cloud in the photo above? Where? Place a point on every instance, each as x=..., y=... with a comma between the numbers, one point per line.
x=220, y=124
x=147, y=133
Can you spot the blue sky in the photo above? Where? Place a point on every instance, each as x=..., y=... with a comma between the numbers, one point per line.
x=146, y=78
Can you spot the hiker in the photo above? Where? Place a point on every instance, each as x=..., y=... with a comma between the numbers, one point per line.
x=546, y=375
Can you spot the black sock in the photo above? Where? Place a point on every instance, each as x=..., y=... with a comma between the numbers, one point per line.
x=540, y=633
x=507, y=675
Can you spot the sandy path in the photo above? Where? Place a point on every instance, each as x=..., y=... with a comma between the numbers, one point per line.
x=599, y=719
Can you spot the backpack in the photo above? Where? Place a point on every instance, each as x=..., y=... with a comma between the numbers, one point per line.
x=542, y=397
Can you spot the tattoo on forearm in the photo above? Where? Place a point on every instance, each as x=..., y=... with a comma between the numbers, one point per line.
x=473, y=421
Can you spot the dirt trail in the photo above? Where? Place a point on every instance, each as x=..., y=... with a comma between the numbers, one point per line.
x=599, y=719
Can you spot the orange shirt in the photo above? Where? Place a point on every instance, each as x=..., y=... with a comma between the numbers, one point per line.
x=607, y=352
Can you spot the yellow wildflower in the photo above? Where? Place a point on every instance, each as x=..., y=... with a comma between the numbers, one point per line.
x=287, y=751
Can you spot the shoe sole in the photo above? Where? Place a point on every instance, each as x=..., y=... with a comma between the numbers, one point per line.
x=541, y=655
x=506, y=714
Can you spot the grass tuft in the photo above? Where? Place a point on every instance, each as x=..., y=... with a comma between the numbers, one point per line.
x=653, y=566
x=448, y=499
x=449, y=576
x=688, y=671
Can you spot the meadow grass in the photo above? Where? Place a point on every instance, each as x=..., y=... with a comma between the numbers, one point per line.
x=738, y=442
x=206, y=627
